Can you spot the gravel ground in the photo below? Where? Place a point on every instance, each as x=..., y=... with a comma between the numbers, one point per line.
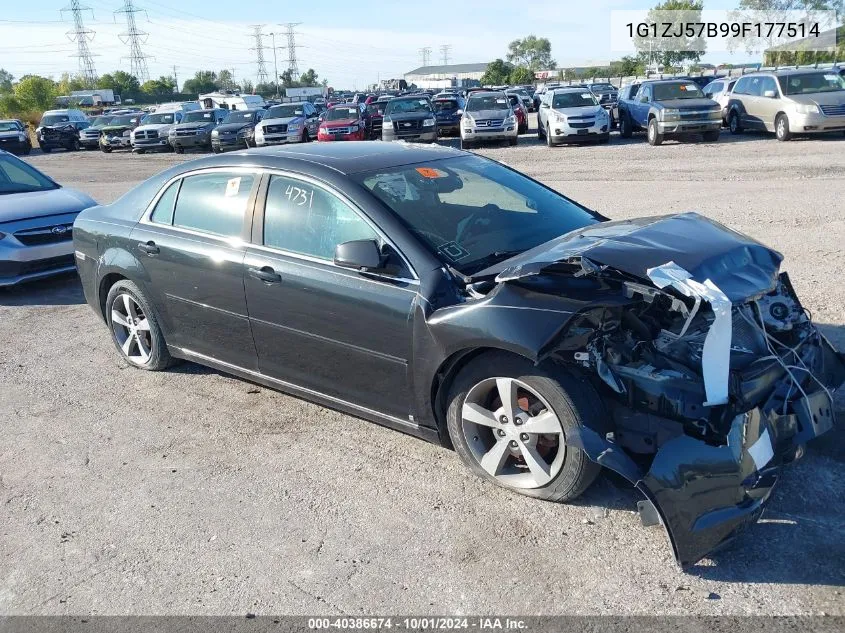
x=191, y=492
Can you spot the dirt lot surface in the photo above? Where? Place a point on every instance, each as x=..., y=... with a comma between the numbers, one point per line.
x=191, y=492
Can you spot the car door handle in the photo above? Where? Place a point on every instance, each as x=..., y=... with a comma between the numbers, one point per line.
x=149, y=248
x=265, y=274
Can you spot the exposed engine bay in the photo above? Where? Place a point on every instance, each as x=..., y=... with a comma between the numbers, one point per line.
x=652, y=355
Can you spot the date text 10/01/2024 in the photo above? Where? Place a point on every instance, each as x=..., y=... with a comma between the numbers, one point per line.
x=671, y=30
x=418, y=623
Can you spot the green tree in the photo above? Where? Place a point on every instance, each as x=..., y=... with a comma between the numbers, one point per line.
x=225, y=80
x=69, y=83
x=121, y=83
x=159, y=89
x=535, y=53
x=35, y=93
x=6, y=79
x=202, y=81
x=671, y=51
x=626, y=67
x=247, y=86
x=498, y=72
x=520, y=76
x=266, y=89
x=9, y=105
x=308, y=78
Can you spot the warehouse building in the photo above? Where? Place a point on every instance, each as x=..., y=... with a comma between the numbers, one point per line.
x=464, y=75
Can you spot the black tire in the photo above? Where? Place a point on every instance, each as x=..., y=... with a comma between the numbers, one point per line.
x=140, y=151
x=711, y=137
x=539, y=129
x=27, y=150
x=782, y=132
x=654, y=135
x=466, y=145
x=105, y=148
x=216, y=150
x=548, y=135
x=733, y=123
x=46, y=150
x=626, y=129
x=178, y=149
x=572, y=400
x=513, y=142
x=305, y=137
x=159, y=358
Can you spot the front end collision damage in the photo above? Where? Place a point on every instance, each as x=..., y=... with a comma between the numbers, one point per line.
x=712, y=375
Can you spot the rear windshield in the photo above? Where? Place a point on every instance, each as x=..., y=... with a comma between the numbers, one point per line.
x=161, y=119
x=53, y=119
x=285, y=111
x=401, y=106
x=809, y=83
x=444, y=105
x=339, y=114
x=198, y=116
x=677, y=90
x=487, y=102
x=573, y=100
x=239, y=116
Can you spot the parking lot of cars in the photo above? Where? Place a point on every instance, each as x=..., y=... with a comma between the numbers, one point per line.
x=195, y=491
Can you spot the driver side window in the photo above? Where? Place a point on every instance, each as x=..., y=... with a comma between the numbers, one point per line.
x=302, y=218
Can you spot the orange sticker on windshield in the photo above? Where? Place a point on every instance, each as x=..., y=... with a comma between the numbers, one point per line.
x=430, y=172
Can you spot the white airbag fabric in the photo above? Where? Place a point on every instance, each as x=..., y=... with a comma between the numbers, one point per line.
x=716, y=355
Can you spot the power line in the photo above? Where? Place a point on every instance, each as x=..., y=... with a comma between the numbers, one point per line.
x=135, y=37
x=259, y=53
x=444, y=52
x=425, y=52
x=82, y=36
x=293, y=67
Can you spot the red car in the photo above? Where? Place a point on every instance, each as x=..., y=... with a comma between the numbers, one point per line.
x=519, y=112
x=344, y=122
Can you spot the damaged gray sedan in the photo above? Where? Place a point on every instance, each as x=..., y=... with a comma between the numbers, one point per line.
x=448, y=296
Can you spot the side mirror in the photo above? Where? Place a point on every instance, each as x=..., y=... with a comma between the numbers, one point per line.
x=544, y=105
x=770, y=94
x=459, y=111
x=363, y=255
x=644, y=99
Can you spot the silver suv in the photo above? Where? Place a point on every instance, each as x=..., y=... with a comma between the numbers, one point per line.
x=787, y=102
x=488, y=116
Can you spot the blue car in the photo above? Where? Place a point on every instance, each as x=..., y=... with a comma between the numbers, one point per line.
x=448, y=109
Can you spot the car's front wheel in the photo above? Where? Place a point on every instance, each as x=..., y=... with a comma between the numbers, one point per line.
x=509, y=421
x=135, y=329
x=782, y=128
x=654, y=135
x=733, y=123
x=626, y=130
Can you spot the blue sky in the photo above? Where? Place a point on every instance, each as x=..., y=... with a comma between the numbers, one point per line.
x=350, y=43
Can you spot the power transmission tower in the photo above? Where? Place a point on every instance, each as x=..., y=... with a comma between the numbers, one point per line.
x=259, y=53
x=82, y=36
x=426, y=55
x=444, y=52
x=135, y=37
x=293, y=67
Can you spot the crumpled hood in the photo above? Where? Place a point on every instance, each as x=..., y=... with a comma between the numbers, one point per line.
x=740, y=266
x=36, y=204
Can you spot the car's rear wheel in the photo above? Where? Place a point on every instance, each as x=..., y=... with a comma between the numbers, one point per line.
x=626, y=130
x=782, y=128
x=135, y=329
x=654, y=135
x=178, y=149
x=548, y=135
x=733, y=123
x=509, y=421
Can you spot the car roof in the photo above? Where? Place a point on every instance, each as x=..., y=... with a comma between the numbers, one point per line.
x=783, y=72
x=339, y=158
x=488, y=93
x=569, y=89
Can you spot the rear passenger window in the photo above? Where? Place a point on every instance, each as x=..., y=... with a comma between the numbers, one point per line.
x=213, y=203
x=301, y=218
x=163, y=212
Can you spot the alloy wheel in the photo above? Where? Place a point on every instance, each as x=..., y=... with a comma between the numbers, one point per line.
x=131, y=329
x=513, y=433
